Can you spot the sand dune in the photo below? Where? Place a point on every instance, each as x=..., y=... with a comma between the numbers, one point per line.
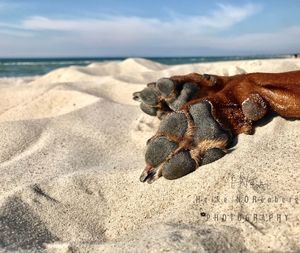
x=71, y=152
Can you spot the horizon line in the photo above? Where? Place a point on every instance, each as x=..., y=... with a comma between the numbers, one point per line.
x=161, y=56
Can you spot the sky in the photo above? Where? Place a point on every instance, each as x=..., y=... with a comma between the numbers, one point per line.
x=137, y=28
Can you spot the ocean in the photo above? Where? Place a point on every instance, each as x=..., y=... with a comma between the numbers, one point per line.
x=40, y=66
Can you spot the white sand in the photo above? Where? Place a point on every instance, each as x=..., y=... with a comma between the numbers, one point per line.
x=71, y=152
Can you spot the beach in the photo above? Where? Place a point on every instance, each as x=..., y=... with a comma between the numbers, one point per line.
x=72, y=146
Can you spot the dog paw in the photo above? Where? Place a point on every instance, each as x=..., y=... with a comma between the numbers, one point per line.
x=201, y=113
x=184, y=141
x=171, y=94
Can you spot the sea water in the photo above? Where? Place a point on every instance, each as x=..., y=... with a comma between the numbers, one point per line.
x=39, y=66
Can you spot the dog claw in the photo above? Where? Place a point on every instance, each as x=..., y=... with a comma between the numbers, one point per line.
x=144, y=176
x=211, y=79
x=151, y=178
x=136, y=96
x=149, y=174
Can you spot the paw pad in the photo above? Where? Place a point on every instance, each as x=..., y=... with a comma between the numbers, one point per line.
x=165, y=96
x=212, y=155
x=254, y=107
x=158, y=150
x=165, y=86
x=174, y=124
x=178, y=166
x=207, y=126
x=148, y=109
x=185, y=142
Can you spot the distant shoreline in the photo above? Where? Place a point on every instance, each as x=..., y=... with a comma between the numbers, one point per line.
x=19, y=67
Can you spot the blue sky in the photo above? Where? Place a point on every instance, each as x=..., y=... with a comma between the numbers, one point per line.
x=42, y=28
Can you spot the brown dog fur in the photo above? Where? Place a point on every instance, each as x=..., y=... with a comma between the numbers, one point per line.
x=280, y=92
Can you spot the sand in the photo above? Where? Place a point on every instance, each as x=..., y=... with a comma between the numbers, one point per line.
x=72, y=148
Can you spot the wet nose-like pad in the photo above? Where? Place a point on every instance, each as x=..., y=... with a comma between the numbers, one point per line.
x=178, y=166
x=158, y=150
x=207, y=128
x=174, y=124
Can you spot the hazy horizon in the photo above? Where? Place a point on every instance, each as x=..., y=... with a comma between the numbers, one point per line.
x=144, y=56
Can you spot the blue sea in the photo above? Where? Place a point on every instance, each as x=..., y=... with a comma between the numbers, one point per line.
x=39, y=66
